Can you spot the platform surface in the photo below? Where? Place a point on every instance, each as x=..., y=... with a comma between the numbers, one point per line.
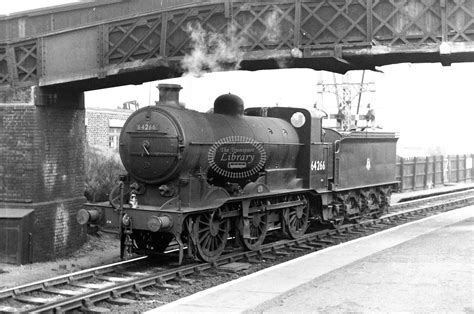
x=448, y=188
x=424, y=266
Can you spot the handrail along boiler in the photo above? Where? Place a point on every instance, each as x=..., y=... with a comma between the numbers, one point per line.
x=205, y=178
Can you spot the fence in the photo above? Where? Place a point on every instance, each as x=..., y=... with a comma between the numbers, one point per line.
x=418, y=173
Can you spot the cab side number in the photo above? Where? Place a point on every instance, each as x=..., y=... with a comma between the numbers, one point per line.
x=318, y=165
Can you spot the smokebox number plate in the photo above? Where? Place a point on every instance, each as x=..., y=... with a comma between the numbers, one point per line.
x=147, y=126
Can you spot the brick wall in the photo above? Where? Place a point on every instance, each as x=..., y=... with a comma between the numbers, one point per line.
x=55, y=230
x=98, y=123
x=42, y=167
x=17, y=155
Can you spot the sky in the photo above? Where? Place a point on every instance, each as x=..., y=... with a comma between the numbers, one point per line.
x=431, y=106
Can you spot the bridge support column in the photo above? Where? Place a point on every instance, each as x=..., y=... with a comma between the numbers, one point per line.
x=41, y=174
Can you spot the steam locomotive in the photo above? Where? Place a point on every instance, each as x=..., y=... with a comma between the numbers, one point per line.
x=204, y=178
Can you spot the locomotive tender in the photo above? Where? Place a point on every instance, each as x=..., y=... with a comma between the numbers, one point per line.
x=205, y=178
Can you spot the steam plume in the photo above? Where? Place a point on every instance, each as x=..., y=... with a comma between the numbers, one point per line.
x=272, y=28
x=212, y=51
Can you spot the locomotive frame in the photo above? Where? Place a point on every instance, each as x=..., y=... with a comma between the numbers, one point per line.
x=202, y=178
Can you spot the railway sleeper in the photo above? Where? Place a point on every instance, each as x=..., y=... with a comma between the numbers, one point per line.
x=318, y=246
x=117, y=299
x=323, y=242
x=8, y=309
x=269, y=256
x=89, y=307
x=161, y=284
x=136, y=274
x=114, y=279
x=203, y=274
x=304, y=246
x=355, y=231
x=338, y=236
x=139, y=293
x=185, y=280
x=92, y=286
x=282, y=252
x=252, y=259
x=373, y=228
x=234, y=267
x=64, y=292
x=32, y=300
x=296, y=249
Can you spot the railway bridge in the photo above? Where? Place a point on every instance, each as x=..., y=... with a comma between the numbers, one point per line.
x=49, y=57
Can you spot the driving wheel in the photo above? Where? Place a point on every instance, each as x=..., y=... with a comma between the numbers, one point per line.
x=296, y=217
x=258, y=226
x=210, y=233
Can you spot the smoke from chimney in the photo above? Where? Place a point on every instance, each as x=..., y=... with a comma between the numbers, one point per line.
x=212, y=51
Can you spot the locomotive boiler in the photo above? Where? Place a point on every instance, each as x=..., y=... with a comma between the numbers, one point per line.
x=204, y=178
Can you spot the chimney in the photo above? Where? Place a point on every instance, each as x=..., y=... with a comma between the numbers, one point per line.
x=169, y=95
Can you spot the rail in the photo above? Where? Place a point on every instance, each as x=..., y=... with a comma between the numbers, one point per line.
x=116, y=289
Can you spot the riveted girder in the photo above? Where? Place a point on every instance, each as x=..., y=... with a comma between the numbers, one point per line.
x=115, y=42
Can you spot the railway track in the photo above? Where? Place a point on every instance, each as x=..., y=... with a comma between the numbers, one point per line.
x=124, y=283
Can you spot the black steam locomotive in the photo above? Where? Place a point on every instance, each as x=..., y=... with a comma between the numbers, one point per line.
x=204, y=178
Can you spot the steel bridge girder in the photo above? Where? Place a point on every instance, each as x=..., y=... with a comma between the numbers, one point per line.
x=336, y=35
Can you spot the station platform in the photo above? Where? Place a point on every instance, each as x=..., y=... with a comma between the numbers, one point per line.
x=413, y=195
x=424, y=266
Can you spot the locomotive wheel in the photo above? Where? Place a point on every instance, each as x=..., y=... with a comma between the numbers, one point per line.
x=375, y=207
x=258, y=225
x=352, y=207
x=385, y=201
x=296, y=218
x=210, y=233
x=364, y=208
